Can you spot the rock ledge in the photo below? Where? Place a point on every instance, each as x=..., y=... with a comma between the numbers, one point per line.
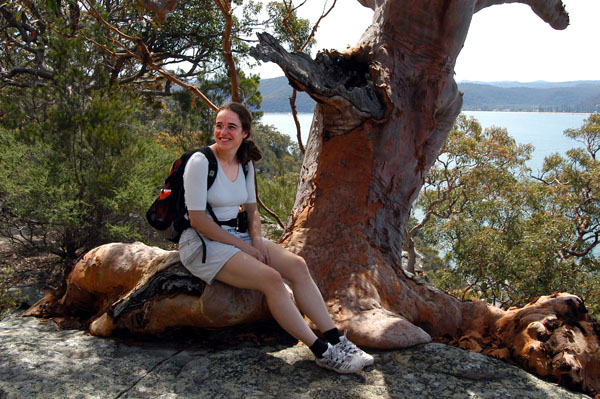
x=39, y=360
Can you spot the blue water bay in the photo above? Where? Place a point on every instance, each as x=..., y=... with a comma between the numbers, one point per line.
x=544, y=130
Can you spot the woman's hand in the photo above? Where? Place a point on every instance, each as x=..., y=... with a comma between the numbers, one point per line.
x=254, y=229
x=262, y=249
x=258, y=252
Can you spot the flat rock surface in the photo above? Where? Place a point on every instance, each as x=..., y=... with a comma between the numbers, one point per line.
x=40, y=360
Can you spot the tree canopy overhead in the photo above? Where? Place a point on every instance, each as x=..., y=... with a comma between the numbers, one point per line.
x=188, y=42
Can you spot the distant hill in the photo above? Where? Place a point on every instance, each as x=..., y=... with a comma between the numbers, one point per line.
x=576, y=96
x=533, y=96
x=538, y=84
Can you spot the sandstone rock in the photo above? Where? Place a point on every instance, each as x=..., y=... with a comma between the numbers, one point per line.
x=40, y=360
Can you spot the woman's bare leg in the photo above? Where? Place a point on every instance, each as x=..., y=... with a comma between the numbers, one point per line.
x=306, y=293
x=244, y=271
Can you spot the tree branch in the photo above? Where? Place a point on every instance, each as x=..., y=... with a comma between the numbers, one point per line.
x=330, y=78
x=551, y=11
x=159, y=7
x=143, y=54
x=225, y=7
x=296, y=121
x=301, y=48
x=46, y=74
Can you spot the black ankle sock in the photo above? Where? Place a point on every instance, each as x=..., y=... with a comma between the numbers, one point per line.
x=318, y=348
x=332, y=336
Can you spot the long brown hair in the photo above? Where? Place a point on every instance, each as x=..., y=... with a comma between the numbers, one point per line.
x=248, y=150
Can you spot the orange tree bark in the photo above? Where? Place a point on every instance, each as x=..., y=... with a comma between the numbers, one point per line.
x=384, y=109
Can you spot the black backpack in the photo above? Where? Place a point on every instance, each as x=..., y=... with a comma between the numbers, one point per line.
x=168, y=212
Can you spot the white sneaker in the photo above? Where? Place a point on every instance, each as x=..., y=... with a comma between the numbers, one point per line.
x=337, y=359
x=354, y=350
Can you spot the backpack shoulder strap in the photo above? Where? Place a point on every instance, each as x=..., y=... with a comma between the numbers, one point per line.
x=212, y=165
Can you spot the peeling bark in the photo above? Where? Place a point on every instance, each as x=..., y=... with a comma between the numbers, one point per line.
x=144, y=290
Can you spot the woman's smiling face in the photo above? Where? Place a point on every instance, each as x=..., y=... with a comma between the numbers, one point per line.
x=228, y=130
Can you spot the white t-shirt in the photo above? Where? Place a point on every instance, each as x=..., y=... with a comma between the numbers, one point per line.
x=224, y=196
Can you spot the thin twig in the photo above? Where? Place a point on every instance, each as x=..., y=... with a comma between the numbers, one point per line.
x=296, y=121
x=261, y=203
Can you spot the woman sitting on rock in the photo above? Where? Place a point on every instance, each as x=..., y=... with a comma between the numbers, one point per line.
x=246, y=260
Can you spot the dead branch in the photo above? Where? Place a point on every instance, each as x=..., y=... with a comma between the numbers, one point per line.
x=551, y=11
x=301, y=48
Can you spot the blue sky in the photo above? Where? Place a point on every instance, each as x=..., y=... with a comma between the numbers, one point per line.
x=505, y=42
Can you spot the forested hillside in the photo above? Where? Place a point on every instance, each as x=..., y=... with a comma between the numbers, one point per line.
x=578, y=96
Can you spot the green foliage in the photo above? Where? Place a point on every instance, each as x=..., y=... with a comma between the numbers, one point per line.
x=188, y=42
x=505, y=235
x=289, y=29
x=588, y=135
x=190, y=121
x=472, y=168
x=277, y=171
x=278, y=193
x=83, y=153
x=80, y=176
x=188, y=127
x=569, y=210
x=281, y=154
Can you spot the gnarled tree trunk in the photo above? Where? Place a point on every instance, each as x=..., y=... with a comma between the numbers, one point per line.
x=384, y=108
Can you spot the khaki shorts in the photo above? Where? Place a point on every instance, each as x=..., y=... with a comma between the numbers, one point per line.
x=217, y=253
